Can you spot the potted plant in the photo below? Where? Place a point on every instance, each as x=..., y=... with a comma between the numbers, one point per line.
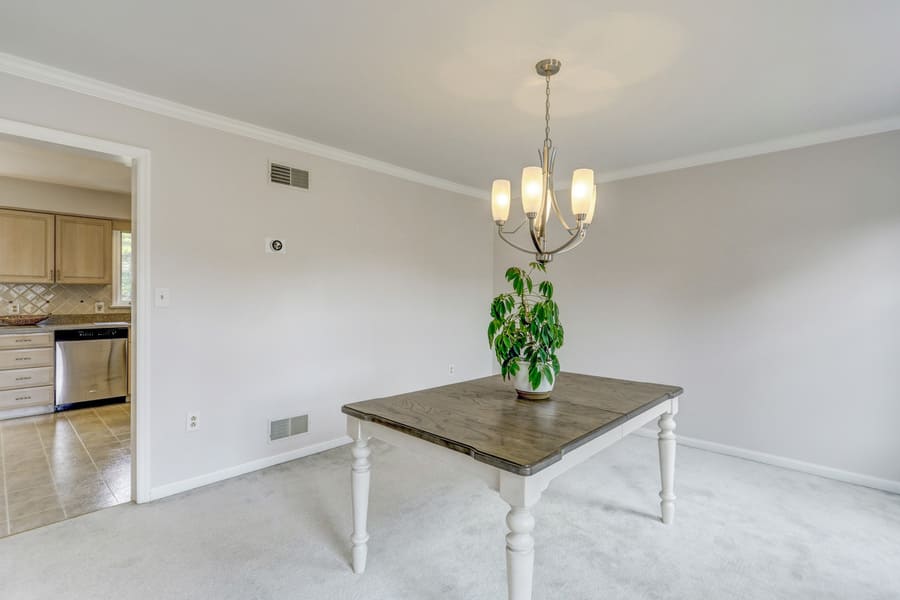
x=525, y=333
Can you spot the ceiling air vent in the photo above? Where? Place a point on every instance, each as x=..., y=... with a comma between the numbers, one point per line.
x=283, y=428
x=285, y=175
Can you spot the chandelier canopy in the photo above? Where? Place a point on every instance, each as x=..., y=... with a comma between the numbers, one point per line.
x=539, y=197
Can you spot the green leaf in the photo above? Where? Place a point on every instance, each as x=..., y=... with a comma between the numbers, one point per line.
x=546, y=288
x=492, y=330
x=534, y=375
x=512, y=368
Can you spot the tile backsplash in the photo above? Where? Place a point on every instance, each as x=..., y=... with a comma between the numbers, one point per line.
x=56, y=298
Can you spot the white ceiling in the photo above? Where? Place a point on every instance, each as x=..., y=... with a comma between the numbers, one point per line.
x=448, y=88
x=52, y=163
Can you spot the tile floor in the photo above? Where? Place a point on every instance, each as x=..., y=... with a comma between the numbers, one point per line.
x=57, y=466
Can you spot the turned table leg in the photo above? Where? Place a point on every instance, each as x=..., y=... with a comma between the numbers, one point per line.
x=667, y=466
x=360, y=491
x=519, y=553
x=521, y=493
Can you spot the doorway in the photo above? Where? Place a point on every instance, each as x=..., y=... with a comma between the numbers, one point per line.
x=90, y=454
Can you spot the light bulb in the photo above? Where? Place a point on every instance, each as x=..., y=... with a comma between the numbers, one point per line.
x=532, y=186
x=500, y=192
x=582, y=191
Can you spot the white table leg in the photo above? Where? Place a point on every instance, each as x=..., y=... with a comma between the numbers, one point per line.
x=667, y=466
x=521, y=493
x=360, y=491
x=520, y=553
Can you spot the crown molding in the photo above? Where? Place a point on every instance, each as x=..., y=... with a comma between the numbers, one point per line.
x=42, y=73
x=792, y=142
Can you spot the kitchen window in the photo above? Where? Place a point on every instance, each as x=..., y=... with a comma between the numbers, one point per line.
x=122, y=269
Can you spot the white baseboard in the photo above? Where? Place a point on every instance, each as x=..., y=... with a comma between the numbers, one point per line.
x=877, y=483
x=184, y=485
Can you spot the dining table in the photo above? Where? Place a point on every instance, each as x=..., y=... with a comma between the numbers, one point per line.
x=517, y=446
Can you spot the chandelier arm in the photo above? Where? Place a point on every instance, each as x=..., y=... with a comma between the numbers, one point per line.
x=562, y=219
x=518, y=227
x=580, y=239
x=534, y=237
x=573, y=241
x=514, y=245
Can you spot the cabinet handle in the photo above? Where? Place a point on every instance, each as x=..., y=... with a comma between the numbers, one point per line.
x=25, y=378
x=24, y=398
x=23, y=341
x=23, y=358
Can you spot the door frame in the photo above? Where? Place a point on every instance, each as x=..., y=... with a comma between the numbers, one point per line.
x=139, y=160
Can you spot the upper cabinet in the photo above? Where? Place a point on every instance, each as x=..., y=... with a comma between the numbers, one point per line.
x=26, y=247
x=83, y=250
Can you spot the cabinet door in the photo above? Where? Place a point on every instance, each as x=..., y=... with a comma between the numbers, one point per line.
x=26, y=247
x=83, y=250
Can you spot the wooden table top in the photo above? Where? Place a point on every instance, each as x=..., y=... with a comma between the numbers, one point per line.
x=484, y=419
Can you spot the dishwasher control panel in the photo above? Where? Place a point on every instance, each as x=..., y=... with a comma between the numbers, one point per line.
x=100, y=333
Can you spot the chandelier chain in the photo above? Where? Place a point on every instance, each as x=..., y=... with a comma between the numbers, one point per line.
x=547, y=115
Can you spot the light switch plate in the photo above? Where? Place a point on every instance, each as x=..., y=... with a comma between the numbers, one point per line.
x=162, y=296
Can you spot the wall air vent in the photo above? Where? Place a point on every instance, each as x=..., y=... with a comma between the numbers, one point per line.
x=284, y=175
x=284, y=428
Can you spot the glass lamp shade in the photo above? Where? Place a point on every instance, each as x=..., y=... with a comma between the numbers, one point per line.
x=500, y=192
x=532, y=186
x=582, y=191
x=592, y=207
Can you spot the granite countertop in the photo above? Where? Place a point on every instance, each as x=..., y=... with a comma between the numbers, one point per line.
x=57, y=322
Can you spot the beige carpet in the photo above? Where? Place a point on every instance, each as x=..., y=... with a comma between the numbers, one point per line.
x=743, y=530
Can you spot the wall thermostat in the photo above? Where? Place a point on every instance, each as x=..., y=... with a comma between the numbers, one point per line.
x=275, y=246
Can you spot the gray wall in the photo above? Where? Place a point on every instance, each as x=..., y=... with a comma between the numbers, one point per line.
x=768, y=287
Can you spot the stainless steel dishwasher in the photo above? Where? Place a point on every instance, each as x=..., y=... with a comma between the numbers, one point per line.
x=91, y=364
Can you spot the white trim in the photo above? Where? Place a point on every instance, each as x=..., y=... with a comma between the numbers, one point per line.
x=184, y=485
x=802, y=140
x=140, y=207
x=141, y=314
x=877, y=483
x=43, y=73
x=35, y=71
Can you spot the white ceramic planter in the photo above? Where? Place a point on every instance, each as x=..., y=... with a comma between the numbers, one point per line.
x=523, y=386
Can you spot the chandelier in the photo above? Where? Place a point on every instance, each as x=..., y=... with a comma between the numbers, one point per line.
x=539, y=197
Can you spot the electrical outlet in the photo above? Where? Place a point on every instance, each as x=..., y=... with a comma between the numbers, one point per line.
x=451, y=369
x=13, y=308
x=193, y=422
x=99, y=307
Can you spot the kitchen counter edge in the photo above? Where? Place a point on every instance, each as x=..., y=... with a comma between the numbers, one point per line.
x=16, y=329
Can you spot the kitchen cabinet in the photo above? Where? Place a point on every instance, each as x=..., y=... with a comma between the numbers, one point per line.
x=26, y=374
x=26, y=247
x=83, y=250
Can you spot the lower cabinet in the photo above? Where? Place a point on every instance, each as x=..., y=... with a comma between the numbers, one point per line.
x=26, y=375
x=12, y=400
